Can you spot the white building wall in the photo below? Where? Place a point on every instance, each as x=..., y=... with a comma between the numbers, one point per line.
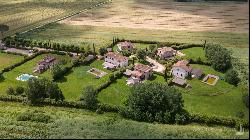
x=179, y=72
x=114, y=62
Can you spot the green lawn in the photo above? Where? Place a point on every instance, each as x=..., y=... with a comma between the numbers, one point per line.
x=10, y=77
x=198, y=99
x=194, y=53
x=118, y=92
x=78, y=123
x=73, y=83
x=8, y=59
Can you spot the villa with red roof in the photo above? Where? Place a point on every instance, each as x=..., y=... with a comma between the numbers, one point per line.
x=181, y=69
x=115, y=60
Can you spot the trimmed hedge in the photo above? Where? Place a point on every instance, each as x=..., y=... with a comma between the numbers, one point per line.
x=108, y=108
x=218, y=120
x=192, y=61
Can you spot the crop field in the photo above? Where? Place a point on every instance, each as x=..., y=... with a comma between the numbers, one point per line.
x=77, y=123
x=168, y=15
x=21, y=15
x=73, y=84
x=26, y=68
x=8, y=59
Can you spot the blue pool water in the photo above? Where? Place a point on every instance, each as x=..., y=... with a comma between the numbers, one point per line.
x=25, y=77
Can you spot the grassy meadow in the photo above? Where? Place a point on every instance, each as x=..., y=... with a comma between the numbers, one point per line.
x=77, y=123
x=9, y=59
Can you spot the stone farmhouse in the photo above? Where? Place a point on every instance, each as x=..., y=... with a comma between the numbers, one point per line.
x=140, y=73
x=114, y=60
x=44, y=64
x=128, y=46
x=165, y=52
x=181, y=69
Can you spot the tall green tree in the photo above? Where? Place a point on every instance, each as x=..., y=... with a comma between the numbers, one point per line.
x=41, y=88
x=102, y=51
x=155, y=102
x=219, y=57
x=231, y=77
x=141, y=54
x=89, y=97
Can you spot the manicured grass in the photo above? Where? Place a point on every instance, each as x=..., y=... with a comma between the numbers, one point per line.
x=73, y=83
x=226, y=102
x=194, y=53
x=10, y=77
x=79, y=123
x=116, y=93
x=9, y=59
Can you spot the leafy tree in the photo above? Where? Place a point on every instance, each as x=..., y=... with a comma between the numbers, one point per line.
x=102, y=51
x=141, y=54
x=155, y=102
x=55, y=92
x=10, y=91
x=219, y=57
x=39, y=89
x=89, y=97
x=56, y=71
x=4, y=28
x=231, y=77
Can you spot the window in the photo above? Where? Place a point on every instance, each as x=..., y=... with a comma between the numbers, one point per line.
x=181, y=75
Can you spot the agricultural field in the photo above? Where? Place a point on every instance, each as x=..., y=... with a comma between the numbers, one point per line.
x=78, y=123
x=21, y=15
x=168, y=15
x=8, y=59
x=73, y=84
x=27, y=68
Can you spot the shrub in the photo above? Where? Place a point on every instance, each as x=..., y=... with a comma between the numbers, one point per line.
x=19, y=90
x=231, y=77
x=34, y=116
x=10, y=91
x=108, y=108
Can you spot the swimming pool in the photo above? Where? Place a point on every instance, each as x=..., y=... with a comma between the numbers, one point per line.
x=25, y=77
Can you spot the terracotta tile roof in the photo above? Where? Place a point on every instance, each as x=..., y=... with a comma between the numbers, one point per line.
x=165, y=49
x=142, y=68
x=183, y=64
x=116, y=56
x=126, y=44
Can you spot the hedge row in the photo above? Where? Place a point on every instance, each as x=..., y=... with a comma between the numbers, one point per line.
x=218, y=120
x=108, y=108
x=174, y=45
x=194, y=118
x=14, y=53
